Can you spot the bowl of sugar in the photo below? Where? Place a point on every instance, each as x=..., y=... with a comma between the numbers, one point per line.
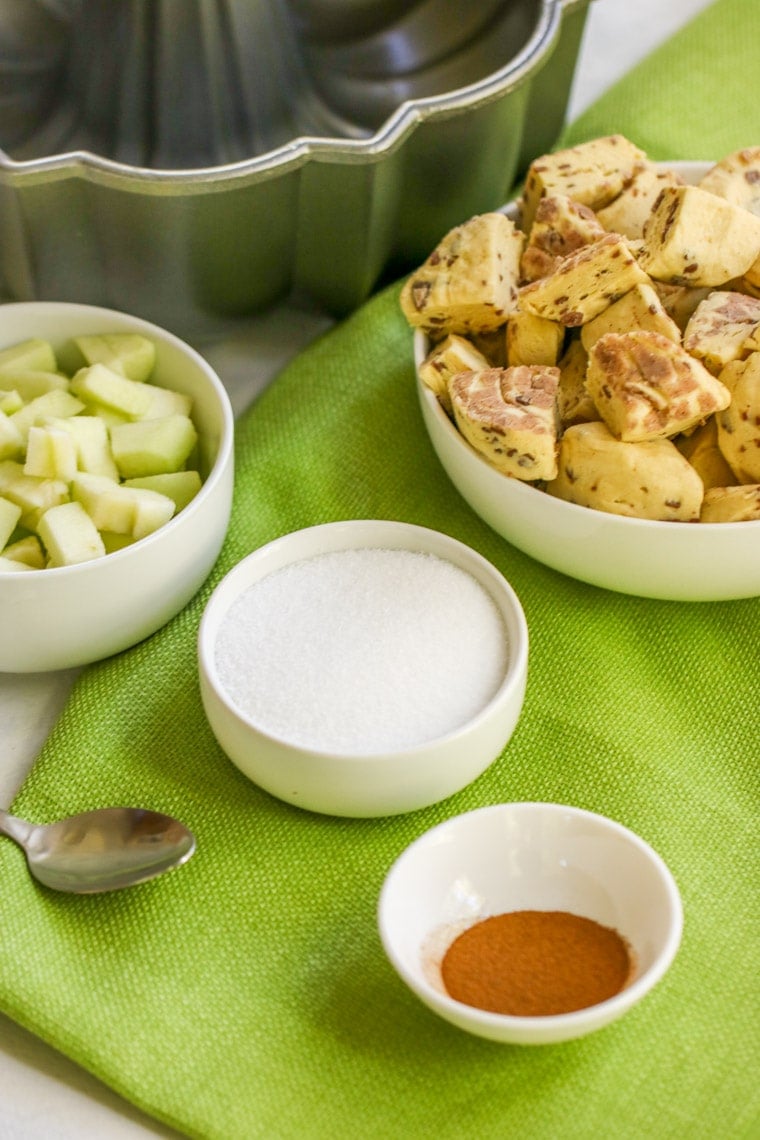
x=363, y=668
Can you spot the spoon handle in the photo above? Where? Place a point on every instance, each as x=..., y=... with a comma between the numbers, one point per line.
x=16, y=829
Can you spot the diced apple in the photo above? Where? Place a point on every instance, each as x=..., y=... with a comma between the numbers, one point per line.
x=10, y=401
x=50, y=453
x=56, y=403
x=166, y=402
x=12, y=566
x=27, y=550
x=181, y=486
x=152, y=510
x=93, y=445
x=29, y=355
x=152, y=447
x=100, y=385
x=69, y=535
x=10, y=513
x=130, y=354
x=30, y=385
x=109, y=505
x=33, y=495
x=11, y=439
x=113, y=541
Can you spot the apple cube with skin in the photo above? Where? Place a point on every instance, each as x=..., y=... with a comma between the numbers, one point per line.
x=56, y=403
x=93, y=446
x=153, y=447
x=12, y=565
x=11, y=439
x=30, y=385
x=180, y=486
x=10, y=401
x=27, y=550
x=69, y=535
x=34, y=354
x=32, y=494
x=50, y=454
x=108, y=504
x=130, y=354
x=10, y=513
x=152, y=511
x=105, y=388
x=166, y=402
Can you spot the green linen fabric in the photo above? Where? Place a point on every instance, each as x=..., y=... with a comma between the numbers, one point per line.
x=246, y=994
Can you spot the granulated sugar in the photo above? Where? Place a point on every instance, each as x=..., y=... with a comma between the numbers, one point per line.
x=362, y=650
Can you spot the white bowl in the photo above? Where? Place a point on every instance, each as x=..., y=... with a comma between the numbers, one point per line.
x=527, y=856
x=676, y=561
x=355, y=781
x=72, y=615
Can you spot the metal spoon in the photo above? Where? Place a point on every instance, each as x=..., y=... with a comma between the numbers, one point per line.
x=100, y=850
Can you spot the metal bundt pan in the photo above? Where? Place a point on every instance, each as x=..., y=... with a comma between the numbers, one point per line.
x=196, y=161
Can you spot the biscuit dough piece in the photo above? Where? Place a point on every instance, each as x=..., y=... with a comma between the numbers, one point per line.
x=680, y=301
x=509, y=415
x=573, y=400
x=640, y=308
x=646, y=387
x=533, y=340
x=649, y=480
x=739, y=423
x=693, y=237
x=452, y=355
x=724, y=327
x=737, y=179
x=469, y=282
x=629, y=211
x=701, y=449
x=584, y=283
x=561, y=226
x=592, y=173
x=731, y=504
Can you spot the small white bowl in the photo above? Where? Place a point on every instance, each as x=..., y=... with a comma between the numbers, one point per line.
x=353, y=782
x=672, y=561
x=72, y=615
x=527, y=856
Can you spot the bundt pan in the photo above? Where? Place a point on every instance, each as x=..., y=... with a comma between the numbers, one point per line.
x=195, y=161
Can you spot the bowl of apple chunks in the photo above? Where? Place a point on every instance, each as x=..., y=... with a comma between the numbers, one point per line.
x=115, y=481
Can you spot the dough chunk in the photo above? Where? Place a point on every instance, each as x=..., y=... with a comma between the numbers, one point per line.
x=724, y=327
x=731, y=504
x=533, y=340
x=701, y=449
x=646, y=387
x=737, y=179
x=452, y=355
x=649, y=480
x=561, y=226
x=509, y=415
x=639, y=308
x=680, y=301
x=584, y=283
x=629, y=211
x=739, y=423
x=693, y=237
x=592, y=173
x=469, y=282
x=573, y=400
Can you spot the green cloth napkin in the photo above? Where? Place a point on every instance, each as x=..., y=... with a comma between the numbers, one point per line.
x=246, y=994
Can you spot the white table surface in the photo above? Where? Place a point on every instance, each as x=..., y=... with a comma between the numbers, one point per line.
x=42, y=1093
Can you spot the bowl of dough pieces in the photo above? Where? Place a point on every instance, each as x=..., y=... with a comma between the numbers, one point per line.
x=588, y=368
x=116, y=473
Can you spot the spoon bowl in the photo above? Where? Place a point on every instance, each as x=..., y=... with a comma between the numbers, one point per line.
x=101, y=850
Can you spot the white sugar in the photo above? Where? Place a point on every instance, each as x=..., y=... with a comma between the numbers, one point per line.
x=362, y=650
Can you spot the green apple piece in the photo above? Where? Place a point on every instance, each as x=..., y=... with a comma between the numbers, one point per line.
x=109, y=505
x=130, y=354
x=181, y=486
x=10, y=513
x=50, y=453
x=29, y=355
x=114, y=542
x=98, y=384
x=56, y=403
x=11, y=439
x=93, y=445
x=30, y=385
x=152, y=511
x=166, y=402
x=10, y=401
x=152, y=447
x=27, y=550
x=13, y=566
x=32, y=494
x=69, y=535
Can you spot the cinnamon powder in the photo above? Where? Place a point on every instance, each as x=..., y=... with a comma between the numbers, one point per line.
x=533, y=963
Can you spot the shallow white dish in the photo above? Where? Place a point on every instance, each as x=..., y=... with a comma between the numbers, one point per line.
x=527, y=856
x=72, y=615
x=676, y=561
x=376, y=783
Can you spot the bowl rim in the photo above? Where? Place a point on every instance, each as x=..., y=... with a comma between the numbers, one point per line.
x=577, y=1019
x=342, y=531
x=226, y=436
x=691, y=170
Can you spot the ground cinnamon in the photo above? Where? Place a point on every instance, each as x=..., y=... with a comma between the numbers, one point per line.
x=531, y=963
